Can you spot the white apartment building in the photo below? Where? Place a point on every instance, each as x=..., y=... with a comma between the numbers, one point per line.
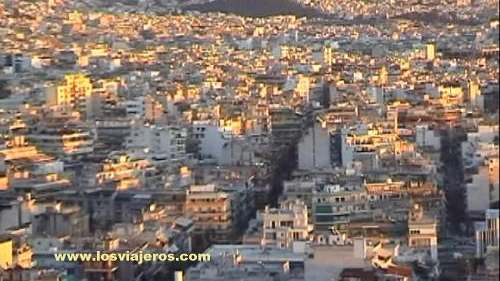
x=423, y=231
x=483, y=189
x=283, y=226
x=222, y=146
x=314, y=149
x=488, y=233
x=165, y=142
x=427, y=137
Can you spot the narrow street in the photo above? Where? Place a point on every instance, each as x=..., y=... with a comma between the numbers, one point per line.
x=453, y=181
x=454, y=188
x=283, y=166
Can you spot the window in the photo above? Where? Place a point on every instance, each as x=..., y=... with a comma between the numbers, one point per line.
x=270, y=236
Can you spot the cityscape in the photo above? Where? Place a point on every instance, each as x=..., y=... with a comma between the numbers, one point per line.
x=249, y=140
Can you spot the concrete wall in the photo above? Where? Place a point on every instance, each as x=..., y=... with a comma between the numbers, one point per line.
x=314, y=149
x=478, y=192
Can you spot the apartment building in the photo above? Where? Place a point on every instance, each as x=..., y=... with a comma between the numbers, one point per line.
x=65, y=143
x=14, y=253
x=285, y=225
x=423, y=231
x=61, y=220
x=284, y=125
x=125, y=171
x=161, y=142
x=211, y=210
x=72, y=91
x=29, y=171
x=487, y=233
x=249, y=262
x=336, y=206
